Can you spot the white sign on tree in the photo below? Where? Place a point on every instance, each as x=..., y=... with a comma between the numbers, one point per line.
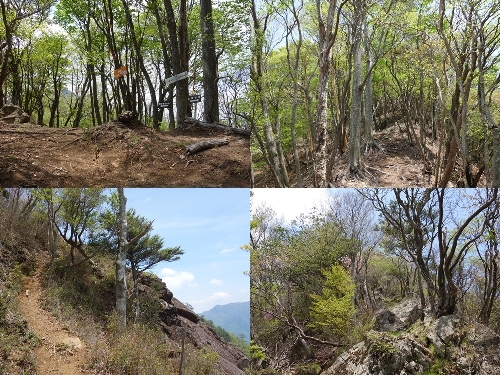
x=176, y=78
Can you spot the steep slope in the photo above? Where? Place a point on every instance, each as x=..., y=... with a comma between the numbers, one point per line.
x=233, y=317
x=175, y=316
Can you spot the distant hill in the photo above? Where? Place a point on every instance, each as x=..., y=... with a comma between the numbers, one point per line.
x=233, y=317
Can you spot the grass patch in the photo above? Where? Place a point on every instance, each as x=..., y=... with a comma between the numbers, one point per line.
x=143, y=350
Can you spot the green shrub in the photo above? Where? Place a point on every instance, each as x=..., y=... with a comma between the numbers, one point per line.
x=200, y=362
x=138, y=351
x=308, y=369
x=333, y=310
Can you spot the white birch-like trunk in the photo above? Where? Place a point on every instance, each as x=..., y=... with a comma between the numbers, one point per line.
x=121, y=280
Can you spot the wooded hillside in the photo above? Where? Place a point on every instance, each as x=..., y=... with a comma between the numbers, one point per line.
x=378, y=270
x=82, y=63
x=328, y=76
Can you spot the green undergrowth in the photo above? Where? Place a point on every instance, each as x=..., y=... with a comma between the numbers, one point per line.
x=144, y=350
x=82, y=297
x=79, y=297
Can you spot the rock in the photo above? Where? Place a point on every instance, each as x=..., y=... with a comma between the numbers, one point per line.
x=128, y=116
x=167, y=295
x=188, y=314
x=73, y=343
x=168, y=315
x=443, y=332
x=383, y=355
x=13, y=114
x=243, y=363
x=408, y=312
x=481, y=335
x=387, y=321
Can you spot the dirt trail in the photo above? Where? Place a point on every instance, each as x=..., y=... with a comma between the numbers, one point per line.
x=59, y=352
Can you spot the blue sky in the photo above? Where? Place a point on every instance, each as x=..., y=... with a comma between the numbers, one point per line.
x=210, y=225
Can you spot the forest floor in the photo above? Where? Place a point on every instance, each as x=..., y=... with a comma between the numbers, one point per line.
x=398, y=165
x=59, y=352
x=119, y=154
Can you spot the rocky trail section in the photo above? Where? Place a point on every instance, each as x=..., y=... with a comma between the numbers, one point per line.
x=406, y=340
x=59, y=352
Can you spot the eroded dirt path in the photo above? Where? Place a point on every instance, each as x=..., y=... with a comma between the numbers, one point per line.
x=59, y=352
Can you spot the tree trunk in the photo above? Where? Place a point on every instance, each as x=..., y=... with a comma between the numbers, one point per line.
x=256, y=73
x=496, y=157
x=209, y=58
x=294, y=71
x=355, y=121
x=135, y=277
x=121, y=280
x=327, y=36
x=204, y=145
x=142, y=66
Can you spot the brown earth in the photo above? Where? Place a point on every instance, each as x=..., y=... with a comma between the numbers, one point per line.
x=119, y=154
x=60, y=352
x=398, y=165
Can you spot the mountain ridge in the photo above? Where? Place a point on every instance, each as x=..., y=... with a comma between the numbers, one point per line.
x=233, y=317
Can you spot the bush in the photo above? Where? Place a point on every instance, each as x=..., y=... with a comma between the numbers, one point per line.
x=333, y=310
x=138, y=351
x=308, y=369
x=142, y=350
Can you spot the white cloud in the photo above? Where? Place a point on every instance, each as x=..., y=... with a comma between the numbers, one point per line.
x=289, y=203
x=214, y=297
x=216, y=282
x=218, y=295
x=175, y=279
x=225, y=251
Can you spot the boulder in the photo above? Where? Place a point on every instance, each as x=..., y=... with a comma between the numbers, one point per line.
x=383, y=354
x=74, y=343
x=481, y=335
x=128, y=116
x=13, y=114
x=243, y=363
x=167, y=295
x=443, y=332
x=188, y=314
x=387, y=321
x=168, y=314
x=408, y=312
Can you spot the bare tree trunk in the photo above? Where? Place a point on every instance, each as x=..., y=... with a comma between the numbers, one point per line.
x=209, y=58
x=121, y=280
x=355, y=166
x=327, y=36
x=294, y=71
x=256, y=76
x=142, y=66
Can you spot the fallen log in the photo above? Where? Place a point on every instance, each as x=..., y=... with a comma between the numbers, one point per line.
x=204, y=145
x=228, y=129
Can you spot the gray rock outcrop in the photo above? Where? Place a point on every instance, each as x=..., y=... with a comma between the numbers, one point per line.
x=400, y=346
x=387, y=321
x=12, y=114
x=408, y=312
x=443, y=332
x=383, y=354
